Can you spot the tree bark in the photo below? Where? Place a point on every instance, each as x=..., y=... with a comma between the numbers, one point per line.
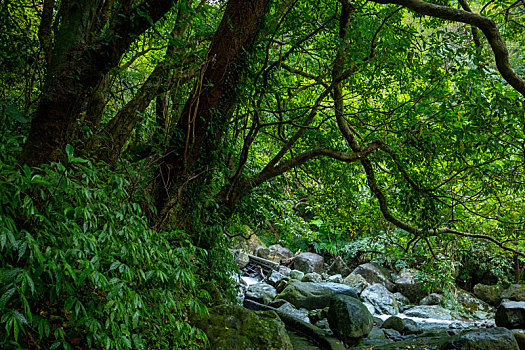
x=77, y=66
x=203, y=119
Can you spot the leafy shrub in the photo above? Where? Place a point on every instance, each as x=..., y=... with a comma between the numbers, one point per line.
x=79, y=265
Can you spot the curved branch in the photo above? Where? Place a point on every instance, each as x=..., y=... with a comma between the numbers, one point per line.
x=485, y=24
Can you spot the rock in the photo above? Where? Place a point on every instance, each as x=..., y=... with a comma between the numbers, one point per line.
x=497, y=338
x=261, y=292
x=289, y=309
x=473, y=306
x=402, y=301
x=430, y=311
x=262, y=252
x=432, y=299
x=234, y=327
x=516, y=292
x=375, y=274
x=312, y=295
x=241, y=258
x=511, y=314
x=409, y=286
x=249, y=245
x=278, y=253
x=323, y=324
x=274, y=278
x=296, y=275
x=285, y=270
x=349, y=319
x=339, y=267
x=383, y=300
x=489, y=294
x=357, y=282
x=376, y=337
x=392, y=334
x=309, y=262
x=312, y=277
x=394, y=322
x=336, y=279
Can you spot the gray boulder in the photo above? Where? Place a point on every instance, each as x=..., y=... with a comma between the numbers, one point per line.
x=335, y=279
x=311, y=296
x=278, y=253
x=296, y=275
x=357, y=282
x=261, y=292
x=285, y=270
x=375, y=274
x=245, y=329
x=432, y=299
x=515, y=292
x=383, y=300
x=274, y=278
x=290, y=310
x=511, y=314
x=312, y=277
x=430, y=311
x=349, y=319
x=339, y=267
x=394, y=322
x=309, y=262
x=402, y=301
x=241, y=258
x=497, y=338
x=472, y=306
x=489, y=294
x=409, y=286
x=262, y=252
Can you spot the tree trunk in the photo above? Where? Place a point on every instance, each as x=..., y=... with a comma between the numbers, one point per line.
x=203, y=119
x=77, y=66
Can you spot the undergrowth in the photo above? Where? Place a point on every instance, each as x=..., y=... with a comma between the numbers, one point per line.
x=80, y=268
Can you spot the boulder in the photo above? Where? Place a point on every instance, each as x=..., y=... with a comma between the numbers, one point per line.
x=349, y=319
x=497, y=338
x=516, y=292
x=296, y=275
x=249, y=244
x=489, y=294
x=309, y=262
x=383, y=300
x=402, y=301
x=511, y=314
x=409, y=286
x=430, y=311
x=241, y=258
x=520, y=339
x=285, y=270
x=274, y=278
x=394, y=322
x=357, y=282
x=278, y=253
x=312, y=295
x=335, y=279
x=432, y=299
x=312, y=277
x=472, y=306
x=339, y=267
x=375, y=274
x=261, y=292
x=290, y=310
x=234, y=327
x=262, y=252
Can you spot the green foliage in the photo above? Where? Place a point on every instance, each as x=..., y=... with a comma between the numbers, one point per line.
x=79, y=265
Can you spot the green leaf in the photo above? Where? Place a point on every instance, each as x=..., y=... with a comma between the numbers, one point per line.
x=69, y=151
x=5, y=298
x=15, y=114
x=21, y=318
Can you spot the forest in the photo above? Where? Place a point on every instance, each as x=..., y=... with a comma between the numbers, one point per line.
x=142, y=140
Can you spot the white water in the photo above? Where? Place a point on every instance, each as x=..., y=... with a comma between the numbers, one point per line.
x=249, y=280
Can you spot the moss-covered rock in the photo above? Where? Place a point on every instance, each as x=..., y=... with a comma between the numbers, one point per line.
x=312, y=295
x=234, y=327
x=349, y=319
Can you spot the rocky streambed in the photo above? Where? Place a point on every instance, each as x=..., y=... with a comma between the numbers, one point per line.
x=332, y=307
